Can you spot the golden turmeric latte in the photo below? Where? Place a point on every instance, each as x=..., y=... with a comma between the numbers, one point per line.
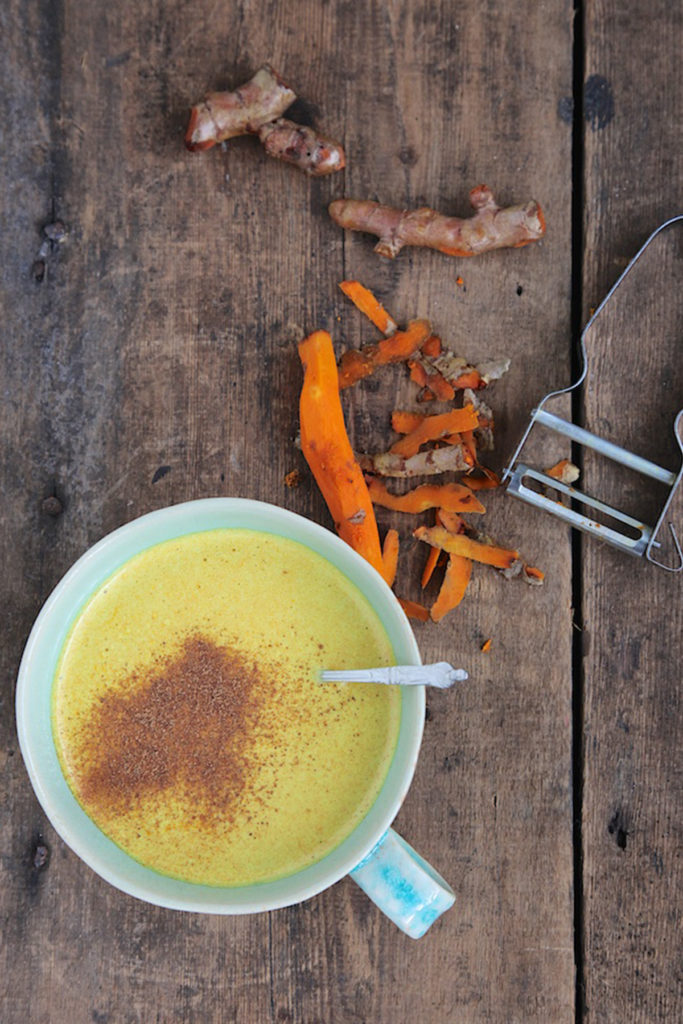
x=188, y=715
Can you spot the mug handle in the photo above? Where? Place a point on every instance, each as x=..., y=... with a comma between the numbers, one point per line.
x=403, y=885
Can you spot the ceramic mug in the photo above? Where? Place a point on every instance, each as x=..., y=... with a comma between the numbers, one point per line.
x=399, y=881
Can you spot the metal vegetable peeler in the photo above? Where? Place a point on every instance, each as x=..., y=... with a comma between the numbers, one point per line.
x=518, y=473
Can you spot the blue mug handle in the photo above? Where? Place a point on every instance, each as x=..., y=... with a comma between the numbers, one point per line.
x=403, y=885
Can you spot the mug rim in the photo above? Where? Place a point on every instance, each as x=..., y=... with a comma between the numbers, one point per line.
x=34, y=707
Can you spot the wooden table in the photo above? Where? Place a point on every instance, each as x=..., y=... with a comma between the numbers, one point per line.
x=149, y=357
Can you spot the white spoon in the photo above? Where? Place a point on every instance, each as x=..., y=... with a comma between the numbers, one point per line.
x=442, y=675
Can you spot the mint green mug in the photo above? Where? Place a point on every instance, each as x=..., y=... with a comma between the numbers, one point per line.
x=399, y=881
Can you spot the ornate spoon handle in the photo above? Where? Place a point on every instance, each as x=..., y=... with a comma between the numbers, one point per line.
x=442, y=675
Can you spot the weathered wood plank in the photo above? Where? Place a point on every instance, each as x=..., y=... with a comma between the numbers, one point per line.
x=155, y=363
x=633, y=790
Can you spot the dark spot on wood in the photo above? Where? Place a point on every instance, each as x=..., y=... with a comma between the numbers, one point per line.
x=428, y=714
x=520, y=290
x=598, y=102
x=222, y=478
x=618, y=828
x=634, y=653
x=37, y=862
x=56, y=231
x=658, y=863
x=450, y=762
x=284, y=1015
x=371, y=384
x=52, y=506
x=160, y=473
x=565, y=109
x=41, y=856
x=117, y=60
x=38, y=271
x=408, y=156
x=99, y=1016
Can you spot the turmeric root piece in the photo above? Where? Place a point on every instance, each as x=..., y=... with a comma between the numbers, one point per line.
x=365, y=301
x=451, y=497
x=224, y=115
x=453, y=459
x=491, y=227
x=433, y=428
x=358, y=363
x=302, y=146
x=438, y=536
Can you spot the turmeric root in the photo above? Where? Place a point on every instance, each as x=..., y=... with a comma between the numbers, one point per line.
x=224, y=115
x=491, y=227
x=301, y=146
x=256, y=108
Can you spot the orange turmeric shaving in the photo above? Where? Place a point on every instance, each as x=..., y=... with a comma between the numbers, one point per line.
x=487, y=482
x=390, y=556
x=326, y=447
x=433, y=428
x=366, y=302
x=488, y=554
x=453, y=587
x=404, y=422
x=358, y=363
x=430, y=565
x=452, y=497
x=414, y=610
x=432, y=346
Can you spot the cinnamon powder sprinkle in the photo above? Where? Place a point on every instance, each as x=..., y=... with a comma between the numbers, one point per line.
x=186, y=726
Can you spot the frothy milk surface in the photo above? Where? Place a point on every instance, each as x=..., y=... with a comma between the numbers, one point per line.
x=188, y=716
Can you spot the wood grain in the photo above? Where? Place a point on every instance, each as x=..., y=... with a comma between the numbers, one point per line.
x=632, y=612
x=155, y=362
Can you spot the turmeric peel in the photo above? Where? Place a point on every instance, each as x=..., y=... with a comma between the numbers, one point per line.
x=364, y=300
x=459, y=544
x=451, y=497
x=358, y=363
